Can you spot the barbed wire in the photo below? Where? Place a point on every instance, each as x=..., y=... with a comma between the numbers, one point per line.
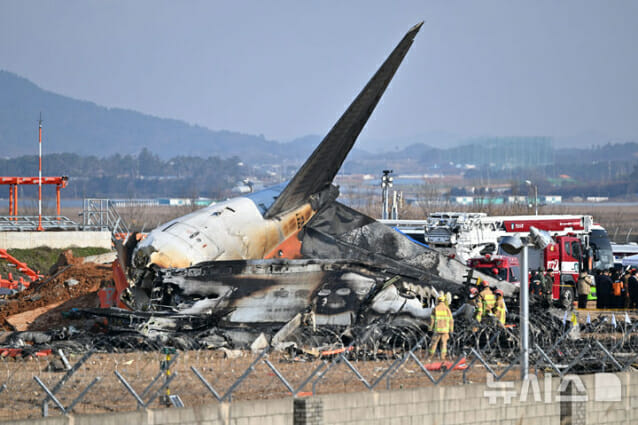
x=318, y=360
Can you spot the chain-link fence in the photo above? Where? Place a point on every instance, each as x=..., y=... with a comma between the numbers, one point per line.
x=55, y=382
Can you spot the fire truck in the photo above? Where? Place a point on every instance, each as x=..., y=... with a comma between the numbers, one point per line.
x=579, y=244
x=565, y=257
x=502, y=267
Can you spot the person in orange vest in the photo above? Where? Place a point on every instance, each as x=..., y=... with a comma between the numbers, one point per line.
x=617, y=290
x=487, y=297
x=441, y=324
x=500, y=310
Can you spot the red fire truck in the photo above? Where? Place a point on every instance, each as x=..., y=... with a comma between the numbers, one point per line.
x=565, y=257
x=502, y=267
x=579, y=244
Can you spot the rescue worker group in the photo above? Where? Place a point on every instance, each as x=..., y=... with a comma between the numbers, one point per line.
x=485, y=302
x=615, y=289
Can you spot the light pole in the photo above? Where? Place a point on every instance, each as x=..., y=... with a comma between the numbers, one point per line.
x=515, y=245
x=530, y=184
x=386, y=184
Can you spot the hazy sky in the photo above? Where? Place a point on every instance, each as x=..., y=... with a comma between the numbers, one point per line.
x=285, y=69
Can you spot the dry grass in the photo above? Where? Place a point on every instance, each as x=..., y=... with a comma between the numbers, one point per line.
x=138, y=218
x=621, y=222
x=23, y=397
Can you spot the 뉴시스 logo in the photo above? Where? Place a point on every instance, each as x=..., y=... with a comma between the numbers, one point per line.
x=607, y=388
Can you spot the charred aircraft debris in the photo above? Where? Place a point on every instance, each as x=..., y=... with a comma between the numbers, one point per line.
x=261, y=260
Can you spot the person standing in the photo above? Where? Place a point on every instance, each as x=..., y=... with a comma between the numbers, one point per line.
x=487, y=298
x=500, y=310
x=584, y=288
x=616, y=290
x=548, y=286
x=536, y=285
x=442, y=324
x=625, y=287
x=603, y=289
x=474, y=300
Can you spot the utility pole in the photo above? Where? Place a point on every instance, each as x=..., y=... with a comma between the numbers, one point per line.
x=40, y=175
x=386, y=184
x=524, y=314
x=515, y=245
x=397, y=198
x=530, y=184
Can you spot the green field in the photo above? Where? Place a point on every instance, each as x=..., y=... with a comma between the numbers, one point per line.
x=42, y=258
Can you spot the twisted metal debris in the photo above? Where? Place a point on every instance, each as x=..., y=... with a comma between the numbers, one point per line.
x=312, y=360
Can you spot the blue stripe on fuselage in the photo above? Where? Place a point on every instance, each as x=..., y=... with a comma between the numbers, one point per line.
x=264, y=199
x=410, y=238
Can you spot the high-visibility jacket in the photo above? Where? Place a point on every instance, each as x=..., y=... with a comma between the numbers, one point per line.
x=489, y=300
x=617, y=288
x=478, y=310
x=441, y=320
x=500, y=310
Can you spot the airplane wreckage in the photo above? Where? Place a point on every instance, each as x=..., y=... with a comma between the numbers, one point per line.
x=257, y=262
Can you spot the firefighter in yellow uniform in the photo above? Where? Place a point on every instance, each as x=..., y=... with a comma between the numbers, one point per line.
x=476, y=302
x=500, y=310
x=487, y=297
x=442, y=324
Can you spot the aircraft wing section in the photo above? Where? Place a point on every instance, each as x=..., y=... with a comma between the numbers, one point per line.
x=338, y=231
x=320, y=169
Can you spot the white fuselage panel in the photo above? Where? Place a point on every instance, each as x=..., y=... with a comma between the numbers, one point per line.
x=229, y=230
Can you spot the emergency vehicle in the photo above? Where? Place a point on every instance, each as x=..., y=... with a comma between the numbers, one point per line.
x=502, y=267
x=579, y=244
x=566, y=256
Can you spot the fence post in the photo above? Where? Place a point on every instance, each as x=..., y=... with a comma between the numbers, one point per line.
x=572, y=405
x=308, y=411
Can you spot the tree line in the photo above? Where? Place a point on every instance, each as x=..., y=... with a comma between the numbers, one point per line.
x=134, y=176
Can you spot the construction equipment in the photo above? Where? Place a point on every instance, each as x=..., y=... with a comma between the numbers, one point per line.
x=10, y=282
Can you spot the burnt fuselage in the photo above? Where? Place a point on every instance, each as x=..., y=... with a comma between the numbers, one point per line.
x=274, y=291
x=231, y=230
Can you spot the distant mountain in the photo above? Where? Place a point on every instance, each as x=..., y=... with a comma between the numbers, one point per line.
x=440, y=139
x=85, y=128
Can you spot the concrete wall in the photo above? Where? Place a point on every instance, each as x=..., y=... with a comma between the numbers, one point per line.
x=465, y=404
x=260, y=412
x=459, y=404
x=624, y=411
x=53, y=239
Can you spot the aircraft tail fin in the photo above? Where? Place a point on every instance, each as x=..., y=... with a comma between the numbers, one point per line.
x=319, y=170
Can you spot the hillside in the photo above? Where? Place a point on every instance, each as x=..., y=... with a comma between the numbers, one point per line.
x=88, y=129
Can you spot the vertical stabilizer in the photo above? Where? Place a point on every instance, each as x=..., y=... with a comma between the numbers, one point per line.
x=320, y=169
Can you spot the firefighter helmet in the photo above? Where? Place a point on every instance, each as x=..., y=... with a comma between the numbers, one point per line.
x=499, y=292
